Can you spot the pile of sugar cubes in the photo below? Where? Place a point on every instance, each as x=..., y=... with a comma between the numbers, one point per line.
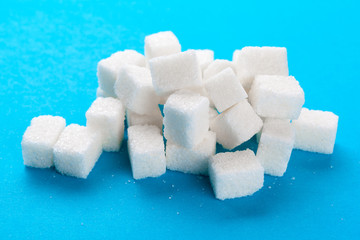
x=177, y=106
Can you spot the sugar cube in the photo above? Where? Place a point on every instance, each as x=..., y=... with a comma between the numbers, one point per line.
x=77, y=150
x=154, y=118
x=235, y=174
x=108, y=68
x=252, y=61
x=161, y=44
x=224, y=89
x=107, y=116
x=236, y=125
x=217, y=66
x=191, y=160
x=275, y=146
x=39, y=139
x=204, y=57
x=175, y=72
x=315, y=131
x=276, y=96
x=134, y=88
x=186, y=118
x=146, y=151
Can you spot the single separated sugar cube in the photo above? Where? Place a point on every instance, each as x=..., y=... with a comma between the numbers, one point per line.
x=108, y=68
x=276, y=96
x=154, y=118
x=134, y=88
x=315, y=131
x=161, y=44
x=224, y=89
x=77, y=151
x=39, y=139
x=191, y=160
x=107, y=116
x=146, y=151
x=252, y=61
x=236, y=125
x=275, y=146
x=175, y=72
x=262, y=60
x=235, y=174
x=186, y=118
x=217, y=66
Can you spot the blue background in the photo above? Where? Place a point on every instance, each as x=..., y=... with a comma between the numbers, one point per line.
x=48, y=58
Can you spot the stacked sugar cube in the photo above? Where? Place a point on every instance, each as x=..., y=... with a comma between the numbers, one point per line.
x=205, y=101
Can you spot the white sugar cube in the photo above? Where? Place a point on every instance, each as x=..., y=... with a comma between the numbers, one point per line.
x=315, y=131
x=134, y=88
x=224, y=89
x=276, y=96
x=39, y=139
x=175, y=72
x=146, y=151
x=235, y=174
x=186, y=118
x=154, y=118
x=161, y=44
x=77, y=151
x=275, y=146
x=108, y=68
x=107, y=116
x=252, y=61
x=191, y=160
x=236, y=125
x=262, y=60
x=204, y=57
x=217, y=66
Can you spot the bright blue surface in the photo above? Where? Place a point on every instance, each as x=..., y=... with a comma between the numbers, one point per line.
x=48, y=57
